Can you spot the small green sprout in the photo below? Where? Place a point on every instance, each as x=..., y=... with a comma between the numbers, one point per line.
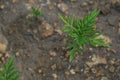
x=81, y=32
x=36, y=12
x=8, y=71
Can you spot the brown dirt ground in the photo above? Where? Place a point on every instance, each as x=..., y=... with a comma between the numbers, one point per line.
x=33, y=59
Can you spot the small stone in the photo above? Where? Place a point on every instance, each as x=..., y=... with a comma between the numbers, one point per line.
x=58, y=31
x=47, y=29
x=91, y=49
x=54, y=75
x=3, y=43
x=30, y=69
x=72, y=71
x=112, y=61
x=96, y=60
x=63, y=7
x=52, y=53
x=104, y=78
x=53, y=67
x=84, y=4
x=106, y=9
x=112, y=69
x=17, y=54
x=93, y=70
x=100, y=73
x=77, y=70
x=2, y=6
x=67, y=72
x=14, y=1
x=7, y=55
x=51, y=7
x=40, y=71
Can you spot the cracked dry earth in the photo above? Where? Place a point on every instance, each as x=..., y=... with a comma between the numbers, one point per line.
x=39, y=44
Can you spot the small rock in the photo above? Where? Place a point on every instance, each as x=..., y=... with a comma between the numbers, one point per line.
x=58, y=31
x=63, y=7
x=94, y=70
x=112, y=69
x=67, y=72
x=47, y=29
x=91, y=49
x=2, y=6
x=84, y=4
x=53, y=67
x=86, y=70
x=96, y=60
x=100, y=73
x=77, y=70
x=14, y=1
x=17, y=54
x=40, y=71
x=105, y=9
x=51, y=7
x=30, y=69
x=3, y=43
x=72, y=71
x=52, y=53
x=7, y=55
x=54, y=75
x=104, y=78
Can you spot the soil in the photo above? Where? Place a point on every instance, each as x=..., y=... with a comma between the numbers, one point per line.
x=39, y=58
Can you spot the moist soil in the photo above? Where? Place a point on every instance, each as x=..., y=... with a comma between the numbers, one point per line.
x=39, y=58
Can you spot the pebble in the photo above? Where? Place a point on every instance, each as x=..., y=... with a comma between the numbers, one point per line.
x=63, y=7
x=55, y=75
x=67, y=73
x=3, y=43
x=17, y=54
x=52, y=53
x=72, y=71
x=112, y=69
x=84, y=4
x=105, y=9
x=58, y=31
x=104, y=78
x=47, y=30
x=94, y=70
x=2, y=6
x=53, y=67
x=40, y=71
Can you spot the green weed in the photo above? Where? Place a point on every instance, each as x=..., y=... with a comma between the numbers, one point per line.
x=8, y=71
x=36, y=12
x=81, y=32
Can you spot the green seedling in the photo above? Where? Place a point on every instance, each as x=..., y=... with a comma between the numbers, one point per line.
x=81, y=32
x=8, y=71
x=36, y=12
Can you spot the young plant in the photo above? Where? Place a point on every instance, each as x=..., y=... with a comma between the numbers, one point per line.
x=81, y=32
x=8, y=71
x=36, y=12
